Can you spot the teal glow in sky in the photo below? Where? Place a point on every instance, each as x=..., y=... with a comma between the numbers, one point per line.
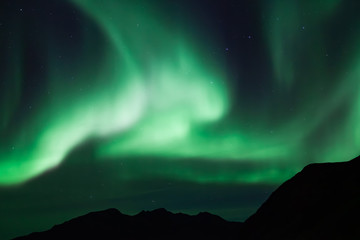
x=153, y=88
x=188, y=105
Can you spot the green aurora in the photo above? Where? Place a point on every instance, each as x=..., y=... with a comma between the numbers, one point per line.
x=185, y=105
x=151, y=90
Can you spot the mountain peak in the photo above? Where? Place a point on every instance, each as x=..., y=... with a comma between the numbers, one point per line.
x=320, y=202
x=155, y=212
x=155, y=224
x=160, y=211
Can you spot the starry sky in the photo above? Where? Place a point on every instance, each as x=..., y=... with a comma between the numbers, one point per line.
x=188, y=105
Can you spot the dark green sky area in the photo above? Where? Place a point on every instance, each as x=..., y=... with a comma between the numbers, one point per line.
x=188, y=105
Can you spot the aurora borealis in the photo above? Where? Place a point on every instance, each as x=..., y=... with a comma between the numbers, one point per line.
x=103, y=103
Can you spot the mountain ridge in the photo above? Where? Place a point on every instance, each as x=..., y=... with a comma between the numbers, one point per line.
x=319, y=202
x=155, y=224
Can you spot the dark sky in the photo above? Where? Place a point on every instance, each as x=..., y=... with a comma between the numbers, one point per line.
x=188, y=105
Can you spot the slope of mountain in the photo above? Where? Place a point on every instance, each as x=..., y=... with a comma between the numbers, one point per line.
x=320, y=202
x=157, y=224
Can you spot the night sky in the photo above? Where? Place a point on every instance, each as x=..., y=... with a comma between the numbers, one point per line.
x=188, y=105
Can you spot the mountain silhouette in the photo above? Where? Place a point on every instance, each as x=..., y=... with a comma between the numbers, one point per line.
x=320, y=202
x=156, y=224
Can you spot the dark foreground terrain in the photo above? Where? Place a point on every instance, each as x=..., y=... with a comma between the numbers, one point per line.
x=320, y=202
x=157, y=224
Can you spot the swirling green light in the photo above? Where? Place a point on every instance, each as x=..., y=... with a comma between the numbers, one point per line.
x=155, y=93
